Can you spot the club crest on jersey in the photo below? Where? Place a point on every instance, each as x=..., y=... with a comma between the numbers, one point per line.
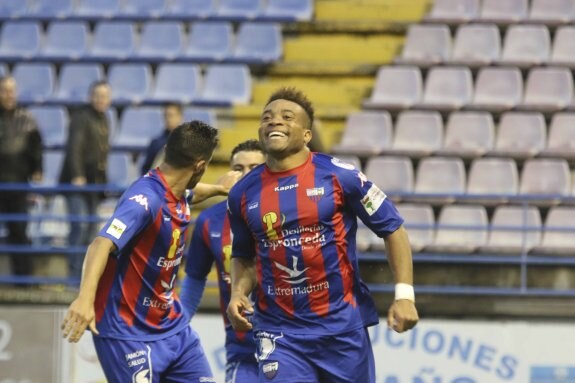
x=315, y=194
x=141, y=199
x=270, y=369
x=266, y=344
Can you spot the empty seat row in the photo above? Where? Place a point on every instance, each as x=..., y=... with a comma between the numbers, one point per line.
x=158, y=41
x=502, y=11
x=478, y=45
x=466, y=134
x=512, y=230
x=451, y=88
x=282, y=10
x=219, y=84
x=489, y=180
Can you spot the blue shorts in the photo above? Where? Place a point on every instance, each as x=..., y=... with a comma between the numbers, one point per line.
x=243, y=371
x=342, y=358
x=178, y=358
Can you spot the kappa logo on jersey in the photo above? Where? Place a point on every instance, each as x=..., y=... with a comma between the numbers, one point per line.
x=266, y=344
x=340, y=164
x=373, y=199
x=293, y=274
x=362, y=178
x=315, y=194
x=141, y=199
x=116, y=228
x=270, y=369
x=285, y=187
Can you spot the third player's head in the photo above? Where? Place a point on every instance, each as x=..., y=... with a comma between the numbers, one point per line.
x=285, y=126
x=246, y=156
x=173, y=116
x=190, y=146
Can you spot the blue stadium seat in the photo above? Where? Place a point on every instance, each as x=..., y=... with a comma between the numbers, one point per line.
x=239, y=9
x=52, y=166
x=226, y=85
x=206, y=115
x=113, y=41
x=160, y=41
x=75, y=81
x=53, y=124
x=112, y=115
x=131, y=83
x=122, y=169
x=4, y=69
x=288, y=10
x=12, y=9
x=142, y=9
x=35, y=81
x=209, y=41
x=258, y=43
x=190, y=9
x=138, y=125
x=51, y=9
x=176, y=82
x=97, y=9
x=65, y=41
x=19, y=40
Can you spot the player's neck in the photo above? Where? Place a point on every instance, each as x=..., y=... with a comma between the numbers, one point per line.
x=282, y=164
x=176, y=179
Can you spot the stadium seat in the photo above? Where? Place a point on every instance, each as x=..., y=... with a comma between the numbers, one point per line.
x=35, y=81
x=526, y=45
x=75, y=81
x=160, y=41
x=492, y=180
x=545, y=177
x=112, y=115
x=130, y=83
x=142, y=9
x=113, y=41
x=138, y=125
x=190, y=9
x=396, y=88
x=226, y=85
x=420, y=222
x=288, y=10
x=561, y=138
x=4, y=71
x=426, y=45
x=19, y=40
x=453, y=11
x=558, y=232
x=53, y=124
x=55, y=231
x=97, y=9
x=476, y=45
x=209, y=41
x=12, y=9
x=552, y=12
x=417, y=134
x=468, y=134
x=563, y=52
x=258, y=43
x=497, y=89
x=520, y=135
x=440, y=175
x=447, y=88
x=548, y=89
x=176, y=83
x=65, y=41
x=366, y=133
x=503, y=11
x=460, y=229
x=122, y=169
x=52, y=165
x=206, y=115
x=527, y=233
x=239, y=10
x=50, y=9
x=391, y=174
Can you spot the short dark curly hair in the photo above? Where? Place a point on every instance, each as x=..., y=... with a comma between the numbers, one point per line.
x=248, y=146
x=297, y=96
x=190, y=142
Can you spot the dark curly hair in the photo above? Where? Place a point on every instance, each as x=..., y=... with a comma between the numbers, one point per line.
x=297, y=96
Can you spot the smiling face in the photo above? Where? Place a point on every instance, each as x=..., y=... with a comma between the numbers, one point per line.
x=284, y=129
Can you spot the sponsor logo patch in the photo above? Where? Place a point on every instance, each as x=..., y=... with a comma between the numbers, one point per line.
x=116, y=228
x=373, y=199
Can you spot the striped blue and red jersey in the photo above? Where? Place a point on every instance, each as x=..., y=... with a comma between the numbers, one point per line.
x=301, y=225
x=136, y=299
x=212, y=243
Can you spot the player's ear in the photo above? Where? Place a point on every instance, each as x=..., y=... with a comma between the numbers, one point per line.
x=200, y=166
x=307, y=135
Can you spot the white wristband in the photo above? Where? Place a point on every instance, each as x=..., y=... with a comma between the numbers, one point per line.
x=404, y=291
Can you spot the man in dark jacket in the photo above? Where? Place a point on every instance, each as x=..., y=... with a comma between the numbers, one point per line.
x=85, y=164
x=20, y=161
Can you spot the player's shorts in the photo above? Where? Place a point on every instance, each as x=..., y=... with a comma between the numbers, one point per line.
x=342, y=358
x=178, y=358
x=243, y=371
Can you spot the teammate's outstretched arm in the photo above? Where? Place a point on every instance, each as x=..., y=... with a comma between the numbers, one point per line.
x=243, y=275
x=222, y=187
x=81, y=313
x=402, y=314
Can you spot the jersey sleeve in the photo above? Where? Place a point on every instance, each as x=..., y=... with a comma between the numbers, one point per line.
x=200, y=257
x=243, y=242
x=132, y=215
x=369, y=202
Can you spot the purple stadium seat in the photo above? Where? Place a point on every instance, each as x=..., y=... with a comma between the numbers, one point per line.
x=440, y=175
x=563, y=52
x=113, y=40
x=36, y=81
x=558, y=232
x=503, y=240
x=75, y=81
x=447, y=88
x=468, y=134
x=552, y=12
x=417, y=134
x=464, y=232
x=210, y=41
x=65, y=41
x=561, y=138
x=548, y=89
x=526, y=45
x=476, y=45
x=366, y=133
x=496, y=179
x=520, y=135
x=19, y=40
x=391, y=174
x=160, y=41
x=426, y=45
x=176, y=82
x=258, y=43
x=453, y=11
x=546, y=177
x=396, y=88
x=497, y=89
x=504, y=11
x=52, y=123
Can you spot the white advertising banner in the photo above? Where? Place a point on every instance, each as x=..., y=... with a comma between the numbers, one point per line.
x=436, y=351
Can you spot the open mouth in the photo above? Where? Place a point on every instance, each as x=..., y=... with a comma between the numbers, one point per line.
x=276, y=135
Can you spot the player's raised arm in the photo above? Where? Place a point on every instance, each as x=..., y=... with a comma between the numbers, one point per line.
x=81, y=313
x=222, y=187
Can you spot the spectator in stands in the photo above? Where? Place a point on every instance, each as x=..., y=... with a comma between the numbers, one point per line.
x=173, y=116
x=21, y=161
x=85, y=164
